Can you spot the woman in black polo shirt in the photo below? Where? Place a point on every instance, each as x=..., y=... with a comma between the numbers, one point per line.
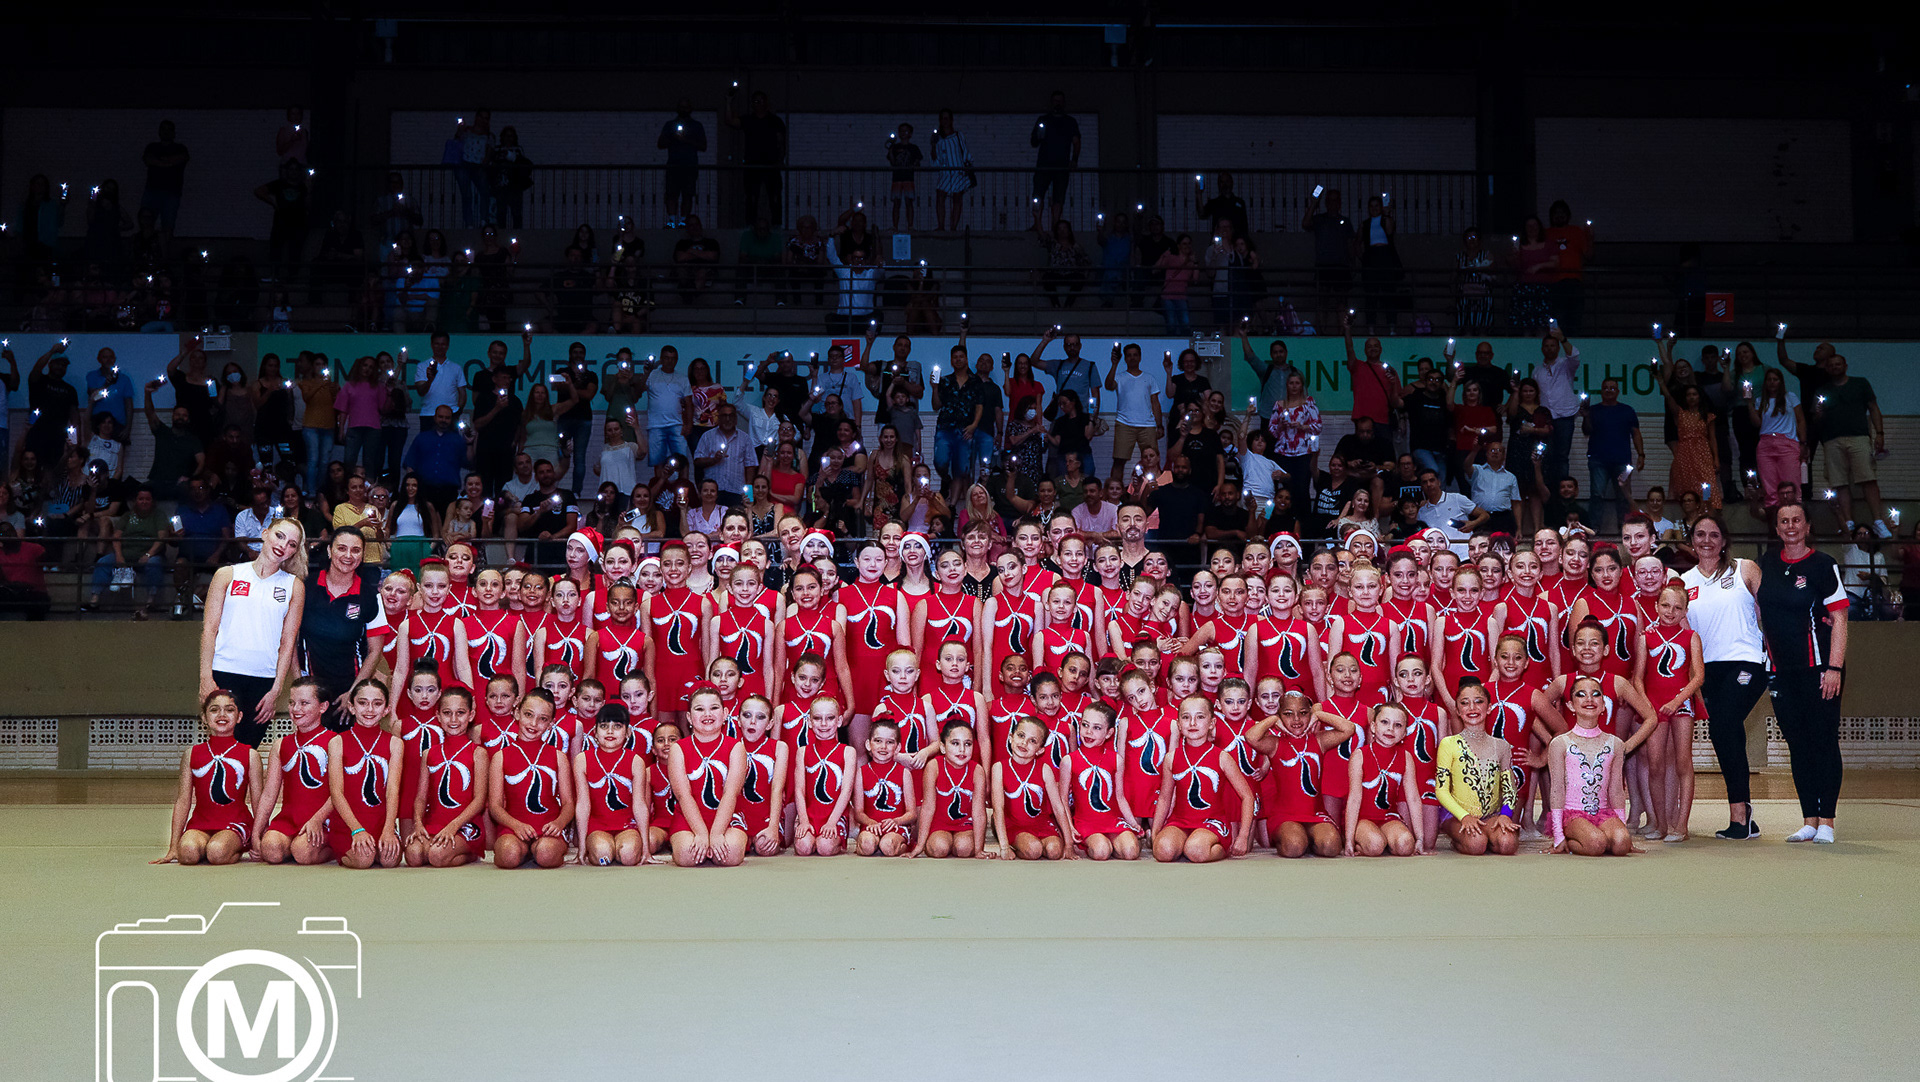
x=341, y=601
x=1803, y=613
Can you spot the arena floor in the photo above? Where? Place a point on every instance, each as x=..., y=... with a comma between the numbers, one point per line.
x=1699, y=961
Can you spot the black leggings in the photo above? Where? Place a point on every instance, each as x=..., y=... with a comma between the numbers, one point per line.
x=1811, y=725
x=1730, y=690
x=247, y=692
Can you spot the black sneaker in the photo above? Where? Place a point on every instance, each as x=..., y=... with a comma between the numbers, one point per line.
x=1738, y=831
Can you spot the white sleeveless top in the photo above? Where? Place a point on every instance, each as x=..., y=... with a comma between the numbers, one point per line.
x=251, y=619
x=1725, y=616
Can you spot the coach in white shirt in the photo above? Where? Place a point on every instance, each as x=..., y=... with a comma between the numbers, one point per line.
x=252, y=625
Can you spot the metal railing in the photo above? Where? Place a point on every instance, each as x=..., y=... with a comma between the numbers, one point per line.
x=1001, y=197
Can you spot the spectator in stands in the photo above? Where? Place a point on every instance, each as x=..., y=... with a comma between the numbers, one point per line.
x=1334, y=244
x=476, y=141
x=1118, y=257
x=139, y=541
x=1846, y=416
x=23, y=581
x=1056, y=136
x=1295, y=427
x=763, y=152
x=1152, y=243
x=1137, y=418
x=758, y=256
x=290, y=142
x=1778, y=417
x=902, y=371
x=178, y=454
x=440, y=381
x=1571, y=244
x=1534, y=261
x=436, y=459
x=1494, y=488
x=1377, y=391
x=1180, y=504
x=253, y=519
x=109, y=390
x=1614, y=449
x=571, y=289
x=288, y=195
x=667, y=407
x=166, y=161
x=694, y=257
x=1272, y=374
x=413, y=522
x=509, y=178
x=1067, y=264
x=55, y=403
x=313, y=519
x=683, y=138
x=955, y=162
x=1454, y=514
x=107, y=226
x=41, y=216
x=1863, y=568
x=959, y=415
x=903, y=154
x=1429, y=407
x=859, y=277
x=205, y=528
x=1071, y=371
x=1177, y=271
x=339, y=262
x=358, y=511
x=1473, y=284
x=1333, y=491
x=1381, y=276
x=1556, y=373
x=1225, y=204
x=805, y=259
x=392, y=212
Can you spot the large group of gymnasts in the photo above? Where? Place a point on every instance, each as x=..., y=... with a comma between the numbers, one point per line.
x=1049, y=701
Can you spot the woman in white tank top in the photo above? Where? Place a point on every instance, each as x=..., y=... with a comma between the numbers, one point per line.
x=1722, y=610
x=252, y=624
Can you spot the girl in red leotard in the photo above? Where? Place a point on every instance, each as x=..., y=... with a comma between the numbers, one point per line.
x=763, y=792
x=1095, y=786
x=617, y=645
x=660, y=802
x=949, y=614
x=1461, y=637
x=296, y=776
x=489, y=628
x=1012, y=616
x=434, y=631
x=1341, y=704
x=1227, y=627
x=363, y=776
x=912, y=713
x=219, y=783
x=1427, y=725
x=1060, y=636
x=416, y=720
x=674, y=619
x=1381, y=776
x=876, y=625
x=1669, y=668
x=884, y=804
x=530, y=790
x=1606, y=603
x=1145, y=733
x=1296, y=742
x=1520, y=713
x=1199, y=783
x=953, y=808
x=707, y=769
x=1284, y=645
x=1030, y=810
x=452, y=798
x=610, y=774
x=744, y=631
x=562, y=637
x=1530, y=614
x=823, y=778
x=1365, y=630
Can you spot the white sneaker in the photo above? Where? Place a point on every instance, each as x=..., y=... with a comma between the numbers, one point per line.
x=1880, y=530
x=1823, y=836
x=1804, y=834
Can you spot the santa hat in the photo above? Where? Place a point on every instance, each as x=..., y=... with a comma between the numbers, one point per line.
x=1434, y=535
x=920, y=541
x=648, y=559
x=1286, y=538
x=823, y=535
x=725, y=550
x=590, y=538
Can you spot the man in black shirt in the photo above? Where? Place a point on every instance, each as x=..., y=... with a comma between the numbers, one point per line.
x=764, y=136
x=1205, y=456
x=791, y=385
x=1181, y=505
x=992, y=402
x=166, y=162
x=1225, y=205
x=1495, y=383
x=1057, y=137
x=1367, y=451
x=1429, y=422
x=1226, y=519
x=570, y=291
x=547, y=516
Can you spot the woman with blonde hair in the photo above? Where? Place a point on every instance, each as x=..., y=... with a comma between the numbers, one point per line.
x=252, y=625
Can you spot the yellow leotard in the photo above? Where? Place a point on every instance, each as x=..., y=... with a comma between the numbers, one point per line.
x=1468, y=785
